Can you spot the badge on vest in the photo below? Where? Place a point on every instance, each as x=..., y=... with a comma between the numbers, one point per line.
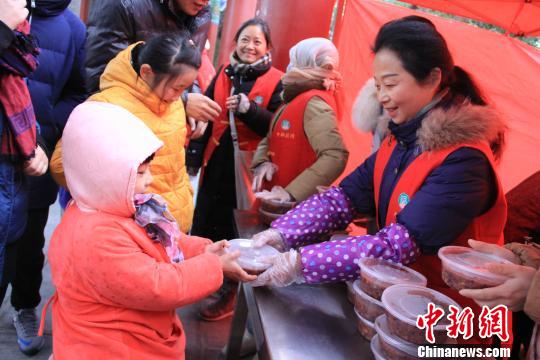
x=285, y=125
x=259, y=100
x=403, y=200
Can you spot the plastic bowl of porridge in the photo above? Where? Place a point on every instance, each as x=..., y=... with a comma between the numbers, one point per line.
x=377, y=274
x=365, y=327
x=369, y=308
x=251, y=259
x=276, y=207
x=465, y=268
x=393, y=347
x=403, y=305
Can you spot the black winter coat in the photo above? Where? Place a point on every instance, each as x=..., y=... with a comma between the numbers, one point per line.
x=115, y=24
x=217, y=194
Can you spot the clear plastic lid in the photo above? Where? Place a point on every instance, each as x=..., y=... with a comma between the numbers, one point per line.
x=470, y=262
x=390, y=272
x=376, y=348
x=365, y=321
x=385, y=335
x=406, y=302
x=363, y=295
x=251, y=258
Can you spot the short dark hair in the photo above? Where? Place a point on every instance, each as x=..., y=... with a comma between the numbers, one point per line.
x=421, y=48
x=164, y=53
x=263, y=25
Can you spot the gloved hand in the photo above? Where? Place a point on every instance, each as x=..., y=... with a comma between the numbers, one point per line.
x=238, y=103
x=270, y=237
x=278, y=193
x=266, y=170
x=286, y=269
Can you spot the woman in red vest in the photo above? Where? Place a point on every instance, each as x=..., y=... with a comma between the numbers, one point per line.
x=431, y=183
x=249, y=87
x=303, y=148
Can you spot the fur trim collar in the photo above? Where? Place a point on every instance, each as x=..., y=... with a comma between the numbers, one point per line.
x=465, y=123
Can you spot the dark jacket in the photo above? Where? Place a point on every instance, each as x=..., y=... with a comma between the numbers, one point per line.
x=13, y=185
x=456, y=192
x=524, y=211
x=217, y=194
x=58, y=84
x=115, y=24
x=256, y=118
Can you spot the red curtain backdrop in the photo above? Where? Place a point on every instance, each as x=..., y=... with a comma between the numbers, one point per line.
x=294, y=20
x=507, y=70
x=516, y=16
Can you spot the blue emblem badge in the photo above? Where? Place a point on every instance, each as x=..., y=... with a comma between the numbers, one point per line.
x=285, y=125
x=259, y=100
x=403, y=200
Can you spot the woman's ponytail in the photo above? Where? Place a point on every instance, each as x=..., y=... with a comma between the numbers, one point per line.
x=460, y=82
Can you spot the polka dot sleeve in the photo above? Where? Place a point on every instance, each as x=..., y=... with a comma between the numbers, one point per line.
x=315, y=217
x=336, y=260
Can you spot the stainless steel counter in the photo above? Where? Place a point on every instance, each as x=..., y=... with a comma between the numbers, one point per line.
x=296, y=322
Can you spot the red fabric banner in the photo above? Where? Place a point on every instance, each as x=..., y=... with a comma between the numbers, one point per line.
x=505, y=68
x=292, y=21
x=520, y=17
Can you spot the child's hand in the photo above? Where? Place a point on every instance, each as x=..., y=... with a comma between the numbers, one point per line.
x=232, y=270
x=217, y=248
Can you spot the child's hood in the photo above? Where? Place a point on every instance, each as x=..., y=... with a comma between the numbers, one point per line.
x=102, y=148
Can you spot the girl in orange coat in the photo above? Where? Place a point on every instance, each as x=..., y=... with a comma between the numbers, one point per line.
x=119, y=263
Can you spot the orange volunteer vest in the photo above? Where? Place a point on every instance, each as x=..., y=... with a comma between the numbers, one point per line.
x=261, y=93
x=487, y=227
x=289, y=147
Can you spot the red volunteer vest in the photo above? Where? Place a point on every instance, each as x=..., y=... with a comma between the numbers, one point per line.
x=487, y=227
x=261, y=93
x=289, y=147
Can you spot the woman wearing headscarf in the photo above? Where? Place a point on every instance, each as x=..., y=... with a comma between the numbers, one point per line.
x=304, y=126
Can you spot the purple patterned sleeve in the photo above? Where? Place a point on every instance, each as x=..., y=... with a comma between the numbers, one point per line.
x=336, y=260
x=316, y=216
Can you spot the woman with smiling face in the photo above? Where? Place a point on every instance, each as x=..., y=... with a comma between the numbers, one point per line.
x=432, y=182
x=249, y=88
x=255, y=95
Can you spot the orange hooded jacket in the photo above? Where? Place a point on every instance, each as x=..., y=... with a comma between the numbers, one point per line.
x=117, y=290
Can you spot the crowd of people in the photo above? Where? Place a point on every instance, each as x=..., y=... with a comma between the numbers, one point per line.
x=101, y=116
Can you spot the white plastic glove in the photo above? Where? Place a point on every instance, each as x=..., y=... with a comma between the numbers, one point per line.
x=238, y=103
x=266, y=170
x=286, y=269
x=278, y=193
x=270, y=237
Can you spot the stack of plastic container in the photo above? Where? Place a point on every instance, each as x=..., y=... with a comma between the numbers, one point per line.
x=375, y=276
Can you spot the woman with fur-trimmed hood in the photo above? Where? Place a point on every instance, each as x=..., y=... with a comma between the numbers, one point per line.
x=432, y=182
x=369, y=116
